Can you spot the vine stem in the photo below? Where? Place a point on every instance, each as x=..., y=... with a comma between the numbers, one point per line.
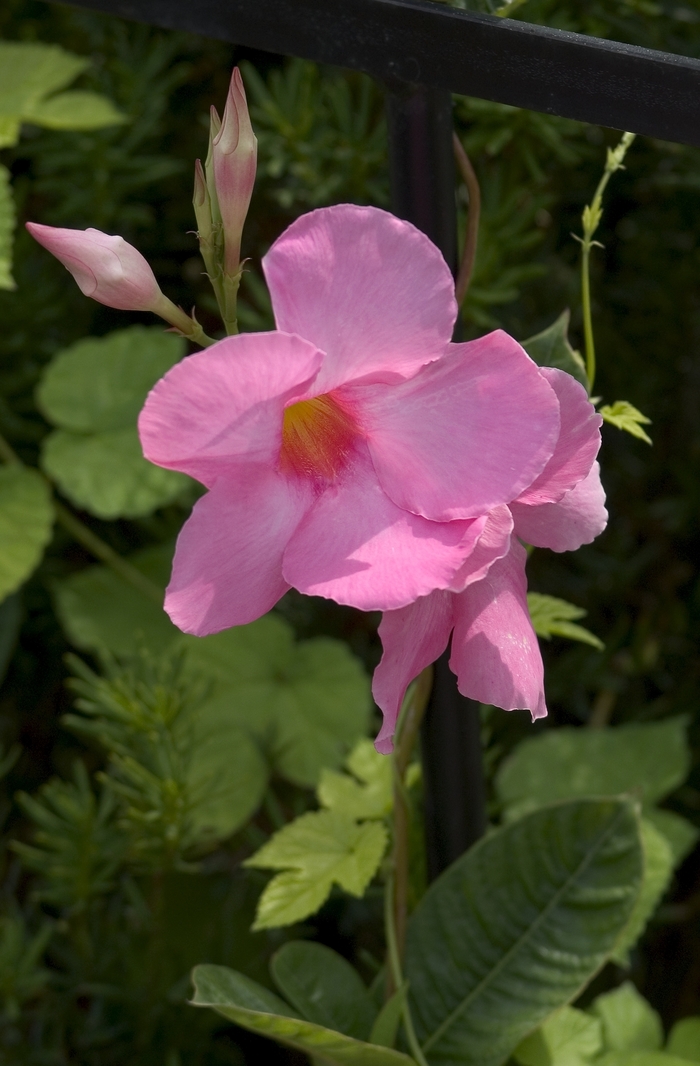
x=592, y=214
x=85, y=536
x=396, y=972
x=469, y=177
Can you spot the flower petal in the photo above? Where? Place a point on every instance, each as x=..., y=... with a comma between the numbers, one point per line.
x=495, y=653
x=225, y=404
x=368, y=289
x=578, y=443
x=412, y=638
x=493, y=544
x=356, y=547
x=576, y=519
x=227, y=569
x=465, y=434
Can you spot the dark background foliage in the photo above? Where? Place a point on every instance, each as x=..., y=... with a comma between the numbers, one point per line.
x=322, y=140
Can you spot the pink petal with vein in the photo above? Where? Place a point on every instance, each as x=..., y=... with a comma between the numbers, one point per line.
x=493, y=544
x=356, y=547
x=578, y=518
x=578, y=443
x=495, y=653
x=464, y=435
x=412, y=638
x=366, y=288
x=225, y=405
x=227, y=569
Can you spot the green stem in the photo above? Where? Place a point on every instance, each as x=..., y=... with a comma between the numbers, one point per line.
x=102, y=551
x=396, y=973
x=85, y=536
x=587, y=315
x=185, y=324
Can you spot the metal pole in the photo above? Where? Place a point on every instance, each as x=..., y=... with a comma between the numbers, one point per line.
x=422, y=174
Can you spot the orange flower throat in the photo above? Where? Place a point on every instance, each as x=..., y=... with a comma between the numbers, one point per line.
x=317, y=438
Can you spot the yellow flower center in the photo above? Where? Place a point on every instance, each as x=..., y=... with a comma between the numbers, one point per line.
x=317, y=438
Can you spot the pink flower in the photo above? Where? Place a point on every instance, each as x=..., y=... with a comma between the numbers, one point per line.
x=105, y=267
x=354, y=453
x=495, y=653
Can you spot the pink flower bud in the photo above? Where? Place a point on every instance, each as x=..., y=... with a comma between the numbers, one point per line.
x=105, y=267
x=234, y=157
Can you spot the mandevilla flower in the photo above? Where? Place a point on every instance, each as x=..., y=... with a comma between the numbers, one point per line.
x=355, y=452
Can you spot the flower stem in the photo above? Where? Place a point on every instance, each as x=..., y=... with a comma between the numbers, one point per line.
x=85, y=536
x=185, y=324
x=592, y=214
x=466, y=266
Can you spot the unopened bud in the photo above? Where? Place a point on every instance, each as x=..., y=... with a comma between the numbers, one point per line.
x=234, y=151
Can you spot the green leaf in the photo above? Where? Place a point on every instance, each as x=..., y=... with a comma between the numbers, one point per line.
x=240, y=1000
x=623, y=415
x=650, y=758
x=569, y=1038
x=681, y=834
x=367, y=794
x=684, y=1040
x=629, y=1022
x=7, y=229
x=26, y=523
x=518, y=926
x=100, y=612
x=640, y=1058
x=107, y=475
x=551, y=348
x=29, y=73
x=386, y=1024
x=92, y=392
x=306, y=703
x=75, y=111
x=552, y=617
x=658, y=870
x=316, y=851
x=324, y=988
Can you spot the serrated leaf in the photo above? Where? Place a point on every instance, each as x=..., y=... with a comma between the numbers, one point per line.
x=684, y=1039
x=623, y=415
x=26, y=524
x=316, y=851
x=658, y=871
x=75, y=110
x=306, y=702
x=93, y=392
x=569, y=1038
x=552, y=617
x=99, y=611
x=366, y=794
x=551, y=348
x=243, y=1001
x=324, y=988
x=647, y=758
x=29, y=73
x=107, y=475
x=682, y=835
x=7, y=229
x=629, y=1022
x=518, y=926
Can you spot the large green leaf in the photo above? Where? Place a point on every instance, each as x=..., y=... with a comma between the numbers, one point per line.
x=629, y=1022
x=26, y=522
x=99, y=611
x=243, y=1001
x=367, y=791
x=681, y=834
x=306, y=702
x=29, y=74
x=658, y=871
x=92, y=392
x=684, y=1039
x=640, y=1058
x=517, y=926
x=650, y=759
x=551, y=348
x=324, y=988
x=7, y=228
x=316, y=851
